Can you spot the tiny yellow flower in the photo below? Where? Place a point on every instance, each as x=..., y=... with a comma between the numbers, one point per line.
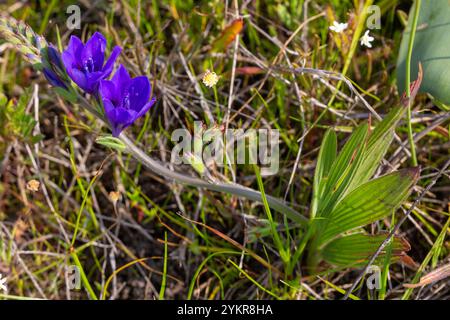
x=114, y=196
x=210, y=79
x=33, y=185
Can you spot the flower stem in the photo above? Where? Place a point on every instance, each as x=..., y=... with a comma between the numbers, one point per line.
x=408, y=80
x=235, y=189
x=85, y=280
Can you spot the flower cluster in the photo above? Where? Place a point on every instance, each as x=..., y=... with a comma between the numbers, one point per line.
x=366, y=39
x=210, y=79
x=124, y=99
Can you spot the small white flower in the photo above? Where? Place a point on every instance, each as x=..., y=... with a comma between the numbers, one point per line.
x=210, y=79
x=366, y=40
x=3, y=283
x=338, y=27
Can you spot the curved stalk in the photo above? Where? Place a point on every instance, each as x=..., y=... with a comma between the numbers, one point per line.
x=234, y=189
x=229, y=188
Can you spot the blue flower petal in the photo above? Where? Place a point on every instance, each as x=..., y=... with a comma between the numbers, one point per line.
x=107, y=69
x=109, y=91
x=68, y=61
x=139, y=92
x=121, y=80
x=120, y=118
x=75, y=48
x=79, y=78
x=146, y=107
x=93, y=54
x=92, y=81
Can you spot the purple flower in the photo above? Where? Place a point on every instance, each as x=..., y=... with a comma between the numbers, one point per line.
x=84, y=63
x=125, y=99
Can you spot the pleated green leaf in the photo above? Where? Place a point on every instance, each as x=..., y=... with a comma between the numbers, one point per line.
x=343, y=170
x=368, y=203
x=377, y=146
x=327, y=155
x=355, y=250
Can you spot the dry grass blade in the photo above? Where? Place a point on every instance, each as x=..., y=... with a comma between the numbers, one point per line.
x=434, y=276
